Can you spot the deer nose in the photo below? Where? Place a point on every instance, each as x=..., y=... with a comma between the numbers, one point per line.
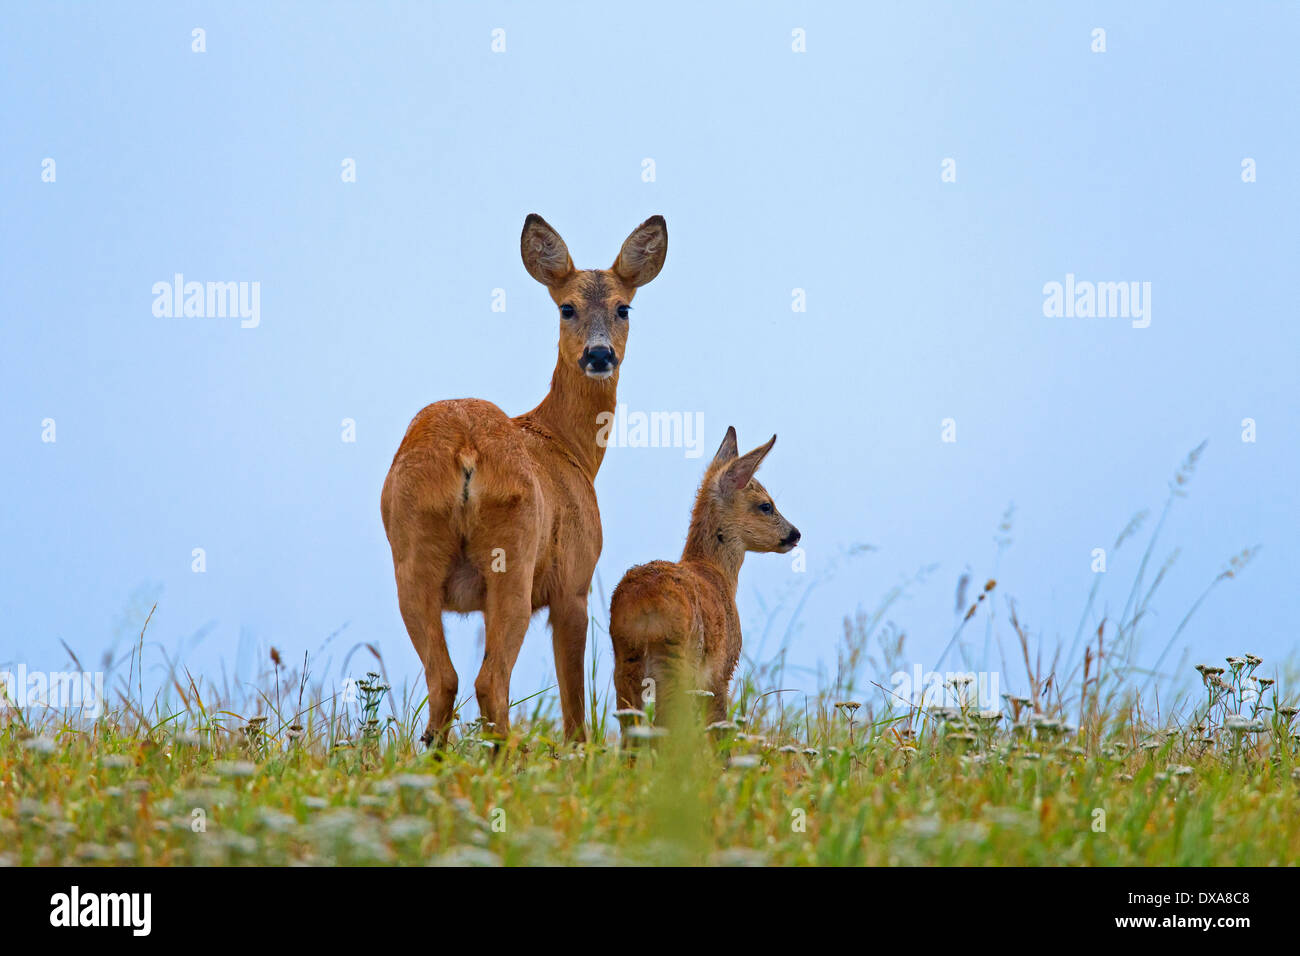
x=793, y=537
x=599, y=359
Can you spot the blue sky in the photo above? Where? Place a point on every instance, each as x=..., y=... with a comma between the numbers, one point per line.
x=776, y=171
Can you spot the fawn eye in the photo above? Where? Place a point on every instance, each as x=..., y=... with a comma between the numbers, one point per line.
x=766, y=507
x=568, y=311
x=623, y=311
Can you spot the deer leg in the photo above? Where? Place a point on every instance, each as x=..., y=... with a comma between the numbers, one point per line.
x=628, y=674
x=629, y=671
x=569, y=641
x=717, y=705
x=419, y=595
x=506, y=611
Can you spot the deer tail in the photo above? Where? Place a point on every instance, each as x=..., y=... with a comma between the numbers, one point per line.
x=467, y=459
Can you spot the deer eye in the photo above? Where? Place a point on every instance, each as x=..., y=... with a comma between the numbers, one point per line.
x=623, y=311
x=766, y=507
x=568, y=311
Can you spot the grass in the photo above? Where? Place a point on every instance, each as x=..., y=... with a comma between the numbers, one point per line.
x=836, y=786
x=1085, y=766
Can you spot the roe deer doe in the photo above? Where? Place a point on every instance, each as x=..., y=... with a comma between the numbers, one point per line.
x=496, y=514
x=677, y=624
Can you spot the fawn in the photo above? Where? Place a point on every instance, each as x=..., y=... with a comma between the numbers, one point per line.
x=677, y=624
x=496, y=514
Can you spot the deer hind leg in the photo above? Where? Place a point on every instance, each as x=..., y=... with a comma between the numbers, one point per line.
x=569, y=641
x=659, y=683
x=419, y=595
x=507, y=608
x=716, y=709
x=629, y=672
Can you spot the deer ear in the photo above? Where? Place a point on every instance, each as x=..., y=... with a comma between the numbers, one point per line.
x=546, y=257
x=727, y=450
x=642, y=255
x=738, y=473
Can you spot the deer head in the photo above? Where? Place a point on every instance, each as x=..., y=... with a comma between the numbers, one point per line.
x=737, y=508
x=593, y=303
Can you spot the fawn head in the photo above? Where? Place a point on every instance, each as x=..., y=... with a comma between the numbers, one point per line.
x=593, y=303
x=742, y=506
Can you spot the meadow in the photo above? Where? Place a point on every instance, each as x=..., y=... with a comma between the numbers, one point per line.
x=1085, y=760
x=831, y=783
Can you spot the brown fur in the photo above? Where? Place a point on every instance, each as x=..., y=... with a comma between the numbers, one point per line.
x=677, y=624
x=471, y=488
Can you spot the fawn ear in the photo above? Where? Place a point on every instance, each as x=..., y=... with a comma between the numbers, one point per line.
x=642, y=255
x=546, y=257
x=727, y=451
x=738, y=473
